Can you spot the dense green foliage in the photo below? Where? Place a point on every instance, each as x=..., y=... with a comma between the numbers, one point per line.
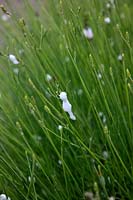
x=38, y=158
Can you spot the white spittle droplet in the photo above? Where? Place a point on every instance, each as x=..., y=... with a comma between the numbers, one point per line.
x=13, y=59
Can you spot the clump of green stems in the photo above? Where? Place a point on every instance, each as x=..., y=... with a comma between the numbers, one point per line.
x=43, y=153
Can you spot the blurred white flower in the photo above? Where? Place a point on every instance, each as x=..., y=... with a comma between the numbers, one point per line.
x=122, y=16
x=112, y=1
x=103, y=83
x=111, y=198
x=100, y=114
x=104, y=119
x=31, y=179
x=13, y=59
x=60, y=127
x=105, y=155
x=67, y=59
x=102, y=181
x=48, y=95
x=107, y=20
x=59, y=162
x=39, y=138
x=89, y=196
x=21, y=51
x=108, y=5
x=109, y=179
x=67, y=107
x=5, y=17
x=65, y=21
x=102, y=67
x=48, y=77
x=111, y=42
x=120, y=57
x=16, y=71
x=99, y=76
x=88, y=33
x=80, y=92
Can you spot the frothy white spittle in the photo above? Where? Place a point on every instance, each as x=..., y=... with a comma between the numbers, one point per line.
x=4, y=197
x=63, y=96
x=88, y=33
x=67, y=107
x=13, y=59
x=107, y=20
